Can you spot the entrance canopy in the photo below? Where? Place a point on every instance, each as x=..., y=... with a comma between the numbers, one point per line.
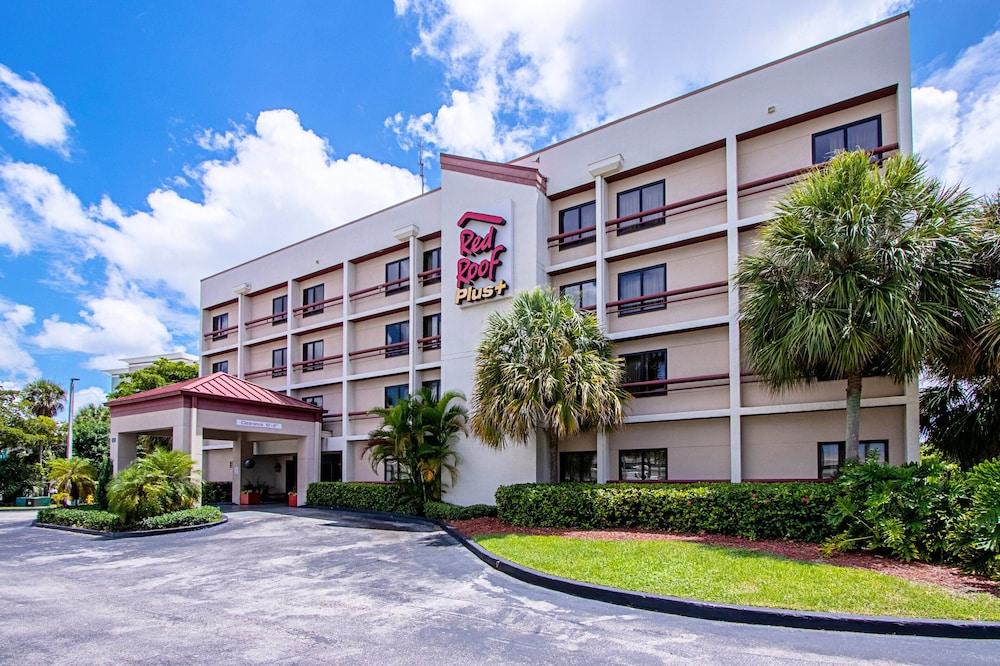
x=218, y=406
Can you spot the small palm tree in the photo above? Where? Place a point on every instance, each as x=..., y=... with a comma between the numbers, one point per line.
x=44, y=398
x=863, y=270
x=158, y=482
x=76, y=476
x=544, y=366
x=442, y=421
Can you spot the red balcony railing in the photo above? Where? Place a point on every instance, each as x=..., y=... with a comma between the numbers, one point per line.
x=786, y=178
x=379, y=288
x=429, y=276
x=430, y=342
x=670, y=296
x=276, y=371
x=673, y=381
x=220, y=332
x=277, y=317
x=370, y=352
x=319, y=362
x=669, y=210
x=317, y=306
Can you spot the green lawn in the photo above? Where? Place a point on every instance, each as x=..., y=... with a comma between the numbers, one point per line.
x=737, y=576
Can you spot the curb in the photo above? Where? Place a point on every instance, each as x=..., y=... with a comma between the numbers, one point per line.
x=134, y=534
x=730, y=613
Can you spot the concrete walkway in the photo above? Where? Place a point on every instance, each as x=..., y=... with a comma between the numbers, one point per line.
x=282, y=586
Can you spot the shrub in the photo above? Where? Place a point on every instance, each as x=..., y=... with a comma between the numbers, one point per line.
x=752, y=510
x=90, y=519
x=198, y=516
x=159, y=482
x=446, y=511
x=907, y=510
x=105, y=471
x=388, y=497
x=15, y=476
x=216, y=492
x=975, y=542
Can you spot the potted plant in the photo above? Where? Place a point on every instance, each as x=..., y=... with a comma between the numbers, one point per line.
x=250, y=494
x=293, y=498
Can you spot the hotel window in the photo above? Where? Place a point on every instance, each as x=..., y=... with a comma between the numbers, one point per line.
x=574, y=219
x=637, y=200
x=643, y=282
x=220, y=322
x=279, y=357
x=397, y=333
x=831, y=455
x=647, y=366
x=434, y=385
x=279, y=310
x=394, y=394
x=314, y=400
x=220, y=366
x=312, y=299
x=578, y=466
x=864, y=134
x=642, y=465
x=432, y=260
x=397, y=270
x=312, y=351
x=392, y=472
x=583, y=295
x=432, y=328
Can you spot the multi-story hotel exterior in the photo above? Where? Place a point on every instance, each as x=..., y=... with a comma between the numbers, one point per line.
x=641, y=221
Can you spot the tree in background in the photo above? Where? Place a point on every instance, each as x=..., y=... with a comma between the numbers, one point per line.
x=44, y=398
x=105, y=472
x=91, y=432
x=75, y=476
x=160, y=373
x=865, y=269
x=545, y=366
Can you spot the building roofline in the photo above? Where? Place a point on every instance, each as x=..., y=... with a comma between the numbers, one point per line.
x=692, y=93
x=317, y=235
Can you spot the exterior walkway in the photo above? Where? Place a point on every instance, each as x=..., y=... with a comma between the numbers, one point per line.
x=318, y=586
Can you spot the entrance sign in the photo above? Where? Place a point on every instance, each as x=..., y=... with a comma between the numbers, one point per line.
x=482, y=245
x=267, y=425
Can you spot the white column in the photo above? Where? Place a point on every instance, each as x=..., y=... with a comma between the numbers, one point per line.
x=197, y=451
x=241, y=450
x=308, y=463
x=732, y=259
x=416, y=326
x=240, y=353
x=289, y=350
x=600, y=170
x=347, y=330
x=911, y=425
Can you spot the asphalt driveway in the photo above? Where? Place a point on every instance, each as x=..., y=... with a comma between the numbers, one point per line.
x=280, y=586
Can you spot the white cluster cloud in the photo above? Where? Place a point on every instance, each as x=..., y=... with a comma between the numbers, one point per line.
x=31, y=110
x=956, y=117
x=92, y=395
x=579, y=64
x=16, y=364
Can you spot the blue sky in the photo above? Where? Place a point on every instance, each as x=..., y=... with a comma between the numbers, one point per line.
x=145, y=145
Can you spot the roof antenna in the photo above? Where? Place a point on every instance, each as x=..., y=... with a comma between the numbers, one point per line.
x=420, y=149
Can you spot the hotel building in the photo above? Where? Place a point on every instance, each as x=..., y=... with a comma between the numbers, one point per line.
x=641, y=221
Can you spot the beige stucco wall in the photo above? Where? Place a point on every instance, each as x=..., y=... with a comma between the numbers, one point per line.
x=208, y=343
x=370, y=333
x=217, y=465
x=332, y=346
x=333, y=286
x=559, y=255
x=696, y=450
x=216, y=358
x=371, y=273
x=783, y=446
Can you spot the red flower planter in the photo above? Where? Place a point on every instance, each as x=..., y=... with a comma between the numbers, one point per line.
x=247, y=497
x=293, y=499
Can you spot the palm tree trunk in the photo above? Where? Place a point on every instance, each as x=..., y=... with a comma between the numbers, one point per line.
x=553, y=441
x=853, y=416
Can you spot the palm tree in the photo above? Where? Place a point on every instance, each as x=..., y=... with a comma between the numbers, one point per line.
x=544, y=366
x=76, y=476
x=158, y=482
x=44, y=398
x=961, y=418
x=442, y=421
x=863, y=270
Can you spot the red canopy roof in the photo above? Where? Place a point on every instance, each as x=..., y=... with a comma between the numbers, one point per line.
x=218, y=385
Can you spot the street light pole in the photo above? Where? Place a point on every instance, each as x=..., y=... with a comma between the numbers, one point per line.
x=69, y=434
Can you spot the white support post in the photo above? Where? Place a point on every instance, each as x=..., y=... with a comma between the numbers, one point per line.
x=240, y=352
x=290, y=357
x=347, y=329
x=732, y=259
x=197, y=448
x=600, y=170
x=911, y=423
x=415, y=325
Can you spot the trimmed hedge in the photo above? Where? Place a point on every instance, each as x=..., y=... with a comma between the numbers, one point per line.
x=360, y=496
x=794, y=511
x=198, y=516
x=88, y=519
x=446, y=511
x=216, y=492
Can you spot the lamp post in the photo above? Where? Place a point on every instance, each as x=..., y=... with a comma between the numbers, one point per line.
x=69, y=434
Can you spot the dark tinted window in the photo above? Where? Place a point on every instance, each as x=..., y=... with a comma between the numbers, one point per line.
x=220, y=366
x=395, y=271
x=311, y=351
x=279, y=310
x=394, y=394
x=578, y=466
x=864, y=134
x=278, y=360
x=432, y=328
x=311, y=295
x=642, y=465
x=397, y=333
x=637, y=200
x=432, y=260
x=642, y=282
x=582, y=294
x=574, y=219
x=220, y=322
x=435, y=387
x=647, y=366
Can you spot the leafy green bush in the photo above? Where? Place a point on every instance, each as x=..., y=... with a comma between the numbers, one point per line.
x=198, y=516
x=105, y=471
x=906, y=510
x=446, y=511
x=753, y=510
x=157, y=483
x=974, y=544
x=216, y=492
x=15, y=476
x=90, y=519
x=388, y=497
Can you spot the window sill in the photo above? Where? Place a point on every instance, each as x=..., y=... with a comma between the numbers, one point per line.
x=643, y=310
x=632, y=228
